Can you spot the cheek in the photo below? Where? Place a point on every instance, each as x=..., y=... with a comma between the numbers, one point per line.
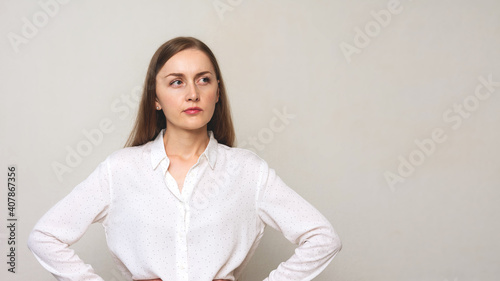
x=213, y=98
x=160, y=93
x=212, y=95
x=166, y=98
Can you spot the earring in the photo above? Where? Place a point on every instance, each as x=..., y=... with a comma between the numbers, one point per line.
x=157, y=108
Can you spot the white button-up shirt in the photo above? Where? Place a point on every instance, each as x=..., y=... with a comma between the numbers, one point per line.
x=208, y=231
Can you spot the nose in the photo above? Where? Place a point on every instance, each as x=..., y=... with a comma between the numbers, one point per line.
x=193, y=94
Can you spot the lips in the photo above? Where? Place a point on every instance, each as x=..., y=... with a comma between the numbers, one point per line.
x=193, y=110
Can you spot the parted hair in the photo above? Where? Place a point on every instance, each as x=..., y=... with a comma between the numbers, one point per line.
x=150, y=122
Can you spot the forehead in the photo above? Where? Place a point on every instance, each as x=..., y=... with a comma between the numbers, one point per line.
x=190, y=61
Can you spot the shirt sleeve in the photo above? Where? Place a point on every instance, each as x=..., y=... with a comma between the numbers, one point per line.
x=286, y=211
x=66, y=222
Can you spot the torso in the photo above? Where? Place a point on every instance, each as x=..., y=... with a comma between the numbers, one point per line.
x=179, y=168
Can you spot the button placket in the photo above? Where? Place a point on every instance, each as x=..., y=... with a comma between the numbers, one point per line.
x=182, y=242
x=184, y=217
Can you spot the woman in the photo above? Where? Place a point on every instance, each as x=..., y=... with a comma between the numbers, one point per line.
x=179, y=202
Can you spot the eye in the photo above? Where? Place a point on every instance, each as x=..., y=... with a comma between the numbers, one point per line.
x=176, y=83
x=204, y=80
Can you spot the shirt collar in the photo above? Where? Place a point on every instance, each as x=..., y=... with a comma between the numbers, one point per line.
x=158, y=150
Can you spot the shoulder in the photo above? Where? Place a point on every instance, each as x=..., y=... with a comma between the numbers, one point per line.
x=242, y=156
x=129, y=155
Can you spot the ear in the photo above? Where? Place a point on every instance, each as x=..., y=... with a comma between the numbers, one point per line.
x=157, y=103
x=218, y=91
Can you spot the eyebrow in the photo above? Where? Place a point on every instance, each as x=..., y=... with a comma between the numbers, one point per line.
x=182, y=75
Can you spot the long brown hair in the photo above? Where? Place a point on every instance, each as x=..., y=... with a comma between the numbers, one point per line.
x=150, y=122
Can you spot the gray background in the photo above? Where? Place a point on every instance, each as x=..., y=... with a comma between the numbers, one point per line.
x=364, y=95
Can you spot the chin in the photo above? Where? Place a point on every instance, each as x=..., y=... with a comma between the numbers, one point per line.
x=194, y=127
x=189, y=125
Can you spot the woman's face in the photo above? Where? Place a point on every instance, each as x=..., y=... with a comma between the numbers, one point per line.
x=187, y=90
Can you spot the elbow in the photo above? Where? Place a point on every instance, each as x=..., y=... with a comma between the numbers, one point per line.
x=35, y=240
x=32, y=240
x=328, y=241
x=38, y=243
x=334, y=244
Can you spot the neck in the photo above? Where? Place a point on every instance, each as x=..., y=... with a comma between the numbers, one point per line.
x=185, y=144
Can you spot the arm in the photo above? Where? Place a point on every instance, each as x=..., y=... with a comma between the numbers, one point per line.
x=66, y=222
x=284, y=210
